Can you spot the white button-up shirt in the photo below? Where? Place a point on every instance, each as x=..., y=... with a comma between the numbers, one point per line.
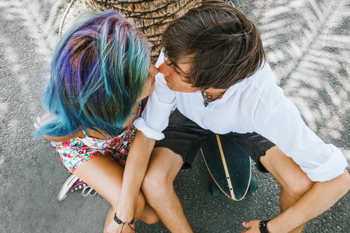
x=256, y=104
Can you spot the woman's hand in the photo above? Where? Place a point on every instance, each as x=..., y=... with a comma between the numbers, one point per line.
x=115, y=227
x=37, y=123
x=112, y=228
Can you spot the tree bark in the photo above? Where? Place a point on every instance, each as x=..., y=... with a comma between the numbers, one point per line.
x=151, y=16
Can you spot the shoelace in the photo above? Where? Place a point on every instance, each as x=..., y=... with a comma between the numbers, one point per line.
x=87, y=191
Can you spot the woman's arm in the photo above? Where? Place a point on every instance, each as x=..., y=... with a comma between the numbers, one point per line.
x=154, y=119
x=134, y=173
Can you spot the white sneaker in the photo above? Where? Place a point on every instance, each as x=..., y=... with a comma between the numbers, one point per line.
x=72, y=184
x=68, y=184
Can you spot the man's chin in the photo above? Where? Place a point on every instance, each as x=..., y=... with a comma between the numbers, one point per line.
x=183, y=90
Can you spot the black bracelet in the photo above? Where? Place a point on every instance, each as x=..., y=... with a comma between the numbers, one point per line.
x=263, y=226
x=119, y=222
x=116, y=219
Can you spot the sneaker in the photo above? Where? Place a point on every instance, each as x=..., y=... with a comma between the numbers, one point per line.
x=72, y=184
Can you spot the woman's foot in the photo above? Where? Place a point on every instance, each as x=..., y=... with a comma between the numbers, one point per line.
x=72, y=184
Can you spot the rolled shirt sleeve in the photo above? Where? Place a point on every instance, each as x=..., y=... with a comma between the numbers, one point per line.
x=155, y=116
x=256, y=105
x=284, y=126
x=141, y=125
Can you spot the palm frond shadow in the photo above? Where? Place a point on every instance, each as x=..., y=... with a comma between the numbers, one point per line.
x=27, y=42
x=307, y=46
x=306, y=43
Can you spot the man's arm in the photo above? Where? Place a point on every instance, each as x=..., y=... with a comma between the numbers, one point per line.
x=278, y=119
x=317, y=200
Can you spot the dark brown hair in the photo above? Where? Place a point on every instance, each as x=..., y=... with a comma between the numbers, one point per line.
x=220, y=43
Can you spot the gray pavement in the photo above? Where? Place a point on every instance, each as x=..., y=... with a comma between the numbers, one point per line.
x=307, y=45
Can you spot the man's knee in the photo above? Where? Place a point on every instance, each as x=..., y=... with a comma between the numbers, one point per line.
x=160, y=175
x=299, y=186
x=156, y=183
x=294, y=181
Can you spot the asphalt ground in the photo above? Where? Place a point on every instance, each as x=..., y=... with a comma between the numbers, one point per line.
x=307, y=44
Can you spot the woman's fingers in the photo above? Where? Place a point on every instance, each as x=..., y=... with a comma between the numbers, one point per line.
x=36, y=124
x=113, y=226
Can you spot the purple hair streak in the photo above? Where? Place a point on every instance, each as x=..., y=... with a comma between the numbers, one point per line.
x=97, y=73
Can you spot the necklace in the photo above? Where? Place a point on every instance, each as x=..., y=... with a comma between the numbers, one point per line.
x=206, y=96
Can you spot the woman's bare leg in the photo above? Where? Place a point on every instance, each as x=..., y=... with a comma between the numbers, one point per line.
x=105, y=176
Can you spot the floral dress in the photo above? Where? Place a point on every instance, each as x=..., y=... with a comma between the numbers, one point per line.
x=76, y=151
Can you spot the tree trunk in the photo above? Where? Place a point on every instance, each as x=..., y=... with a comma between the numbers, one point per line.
x=151, y=16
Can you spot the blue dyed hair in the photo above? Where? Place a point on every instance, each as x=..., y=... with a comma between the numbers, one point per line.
x=97, y=74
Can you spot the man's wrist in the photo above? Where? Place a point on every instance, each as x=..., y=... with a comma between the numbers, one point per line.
x=263, y=226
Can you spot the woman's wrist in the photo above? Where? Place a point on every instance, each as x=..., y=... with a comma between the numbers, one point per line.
x=123, y=216
x=117, y=220
x=125, y=211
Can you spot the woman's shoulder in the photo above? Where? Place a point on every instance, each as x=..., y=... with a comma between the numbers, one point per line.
x=92, y=132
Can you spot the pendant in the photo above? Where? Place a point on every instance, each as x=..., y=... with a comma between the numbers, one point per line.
x=205, y=103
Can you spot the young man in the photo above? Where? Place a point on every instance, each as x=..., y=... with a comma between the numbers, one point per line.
x=216, y=76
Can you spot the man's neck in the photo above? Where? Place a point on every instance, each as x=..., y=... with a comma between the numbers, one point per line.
x=214, y=93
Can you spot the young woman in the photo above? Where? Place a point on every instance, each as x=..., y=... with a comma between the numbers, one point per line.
x=100, y=72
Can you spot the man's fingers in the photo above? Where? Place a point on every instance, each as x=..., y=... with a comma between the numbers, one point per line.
x=247, y=224
x=253, y=226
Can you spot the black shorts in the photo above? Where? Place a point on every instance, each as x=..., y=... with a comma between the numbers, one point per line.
x=184, y=137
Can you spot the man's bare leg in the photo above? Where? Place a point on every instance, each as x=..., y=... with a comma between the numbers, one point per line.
x=159, y=190
x=293, y=180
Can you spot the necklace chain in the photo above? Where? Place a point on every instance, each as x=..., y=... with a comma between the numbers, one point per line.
x=206, y=96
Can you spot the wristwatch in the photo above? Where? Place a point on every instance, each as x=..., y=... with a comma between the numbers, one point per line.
x=263, y=226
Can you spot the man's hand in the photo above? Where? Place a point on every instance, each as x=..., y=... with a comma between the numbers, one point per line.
x=252, y=225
